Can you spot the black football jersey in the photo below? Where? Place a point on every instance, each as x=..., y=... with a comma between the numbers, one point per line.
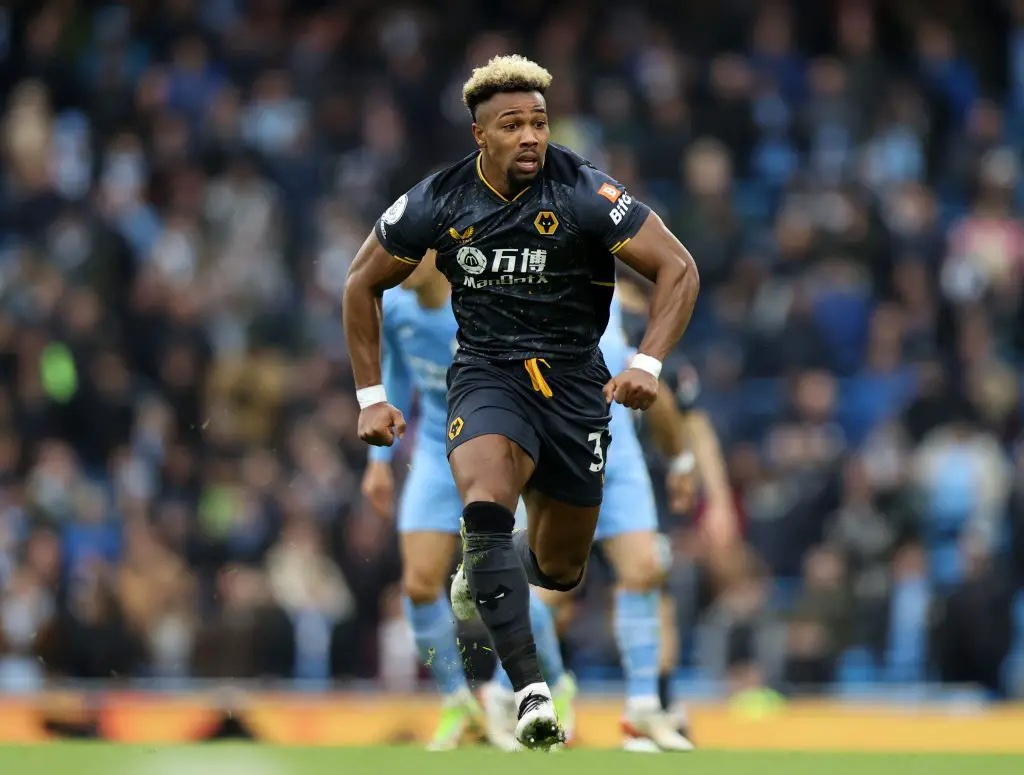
x=532, y=276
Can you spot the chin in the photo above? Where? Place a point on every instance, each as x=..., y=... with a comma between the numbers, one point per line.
x=522, y=180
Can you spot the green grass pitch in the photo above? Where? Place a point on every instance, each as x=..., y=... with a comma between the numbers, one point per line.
x=235, y=759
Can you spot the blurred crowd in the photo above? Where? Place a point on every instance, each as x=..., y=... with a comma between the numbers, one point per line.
x=184, y=184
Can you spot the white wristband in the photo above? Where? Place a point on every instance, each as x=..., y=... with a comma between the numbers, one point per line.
x=684, y=463
x=368, y=396
x=646, y=363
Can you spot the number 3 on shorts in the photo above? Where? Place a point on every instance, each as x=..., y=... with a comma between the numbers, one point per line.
x=598, y=464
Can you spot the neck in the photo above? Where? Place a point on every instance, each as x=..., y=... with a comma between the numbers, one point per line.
x=433, y=295
x=497, y=180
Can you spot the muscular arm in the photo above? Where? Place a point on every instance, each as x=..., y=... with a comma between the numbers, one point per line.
x=708, y=453
x=397, y=382
x=665, y=424
x=674, y=432
x=372, y=272
x=656, y=254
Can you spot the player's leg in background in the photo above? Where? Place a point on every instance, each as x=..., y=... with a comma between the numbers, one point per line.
x=640, y=559
x=428, y=541
x=668, y=661
x=426, y=560
x=491, y=471
x=637, y=625
x=640, y=568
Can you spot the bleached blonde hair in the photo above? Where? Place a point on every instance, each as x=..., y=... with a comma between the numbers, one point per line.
x=503, y=74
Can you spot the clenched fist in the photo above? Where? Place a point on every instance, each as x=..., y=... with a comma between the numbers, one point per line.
x=381, y=424
x=634, y=388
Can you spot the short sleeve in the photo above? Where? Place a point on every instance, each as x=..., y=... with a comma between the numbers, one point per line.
x=406, y=228
x=604, y=209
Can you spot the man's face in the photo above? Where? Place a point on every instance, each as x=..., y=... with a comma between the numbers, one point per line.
x=512, y=130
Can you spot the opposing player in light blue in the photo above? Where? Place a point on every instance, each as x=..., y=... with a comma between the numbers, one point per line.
x=418, y=345
x=628, y=531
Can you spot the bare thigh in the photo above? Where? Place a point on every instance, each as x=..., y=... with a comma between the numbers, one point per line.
x=426, y=563
x=560, y=535
x=491, y=468
x=634, y=557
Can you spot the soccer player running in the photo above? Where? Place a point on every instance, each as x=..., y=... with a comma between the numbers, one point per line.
x=627, y=529
x=527, y=234
x=418, y=333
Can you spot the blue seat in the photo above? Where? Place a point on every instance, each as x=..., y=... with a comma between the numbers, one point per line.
x=754, y=200
x=857, y=666
x=865, y=401
x=905, y=660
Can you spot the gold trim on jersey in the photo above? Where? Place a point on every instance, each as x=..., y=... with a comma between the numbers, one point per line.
x=497, y=193
x=405, y=260
x=619, y=246
x=605, y=285
x=536, y=378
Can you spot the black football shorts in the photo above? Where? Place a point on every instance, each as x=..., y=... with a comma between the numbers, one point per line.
x=555, y=411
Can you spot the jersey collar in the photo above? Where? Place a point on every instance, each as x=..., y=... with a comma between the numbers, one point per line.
x=493, y=190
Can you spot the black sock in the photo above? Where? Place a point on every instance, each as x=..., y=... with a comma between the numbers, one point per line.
x=665, y=690
x=521, y=544
x=500, y=589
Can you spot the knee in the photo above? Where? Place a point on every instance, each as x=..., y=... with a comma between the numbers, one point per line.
x=487, y=491
x=422, y=583
x=642, y=565
x=489, y=469
x=641, y=574
x=565, y=568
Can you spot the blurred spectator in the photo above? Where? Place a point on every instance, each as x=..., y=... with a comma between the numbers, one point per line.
x=867, y=538
x=975, y=629
x=157, y=592
x=25, y=608
x=964, y=479
x=820, y=627
x=250, y=637
x=739, y=641
x=707, y=212
x=399, y=661
x=310, y=588
x=90, y=637
x=951, y=79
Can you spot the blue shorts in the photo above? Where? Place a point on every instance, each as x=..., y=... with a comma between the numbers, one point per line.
x=430, y=500
x=628, y=505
